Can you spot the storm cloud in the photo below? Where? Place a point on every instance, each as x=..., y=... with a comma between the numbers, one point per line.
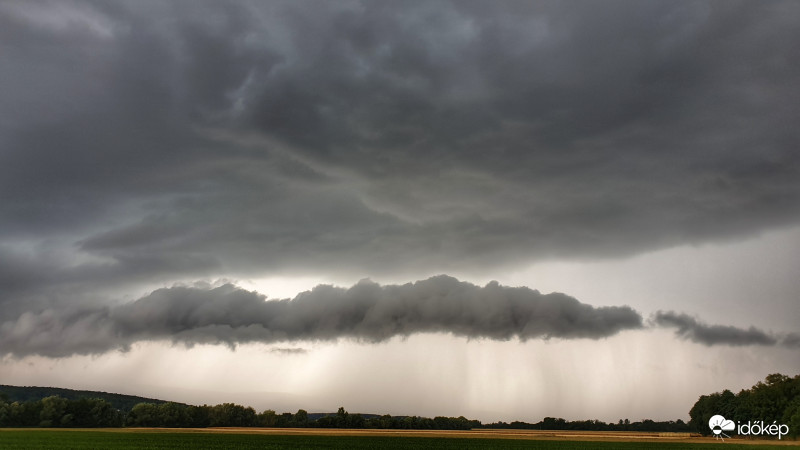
x=383, y=136
x=366, y=312
x=791, y=340
x=694, y=330
x=147, y=143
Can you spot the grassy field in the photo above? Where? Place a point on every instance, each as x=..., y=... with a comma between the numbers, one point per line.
x=233, y=439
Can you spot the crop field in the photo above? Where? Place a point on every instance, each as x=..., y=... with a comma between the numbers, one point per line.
x=354, y=439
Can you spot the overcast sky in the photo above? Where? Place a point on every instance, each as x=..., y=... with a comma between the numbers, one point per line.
x=503, y=210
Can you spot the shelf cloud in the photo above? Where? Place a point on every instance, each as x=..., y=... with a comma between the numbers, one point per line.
x=366, y=312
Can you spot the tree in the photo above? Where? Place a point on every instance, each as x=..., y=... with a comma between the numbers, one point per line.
x=284, y=420
x=144, y=415
x=791, y=417
x=54, y=408
x=776, y=378
x=705, y=407
x=199, y=416
x=268, y=418
x=24, y=414
x=341, y=417
x=103, y=414
x=173, y=415
x=777, y=399
x=4, y=413
x=301, y=418
x=232, y=415
x=355, y=421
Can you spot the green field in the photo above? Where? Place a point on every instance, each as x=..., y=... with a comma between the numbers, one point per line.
x=80, y=439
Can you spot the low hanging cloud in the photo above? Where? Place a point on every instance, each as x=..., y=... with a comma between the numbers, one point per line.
x=791, y=340
x=693, y=330
x=365, y=312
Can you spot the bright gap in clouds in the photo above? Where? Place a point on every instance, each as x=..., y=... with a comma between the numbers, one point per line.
x=283, y=287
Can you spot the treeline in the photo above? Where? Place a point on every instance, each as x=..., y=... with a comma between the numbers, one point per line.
x=344, y=420
x=550, y=423
x=777, y=399
x=58, y=412
x=29, y=393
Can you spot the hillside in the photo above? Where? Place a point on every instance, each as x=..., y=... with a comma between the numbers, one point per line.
x=32, y=393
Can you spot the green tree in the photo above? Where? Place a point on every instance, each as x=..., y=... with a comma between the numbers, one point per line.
x=144, y=415
x=4, y=413
x=301, y=418
x=199, y=416
x=232, y=415
x=173, y=415
x=705, y=407
x=355, y=421
x=284, y=420
x=54, y=408
x=777, y=399
x=341, y=417
x=24, y=414
x=769, y=400
x=103, y=414
x=386, y=421
x=268, y=418
x=791, y=417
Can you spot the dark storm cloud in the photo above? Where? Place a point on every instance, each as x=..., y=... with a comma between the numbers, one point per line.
x=791, y=340
x=488, y=132
x=144, y=142
x=366, y=312
x=690, y=328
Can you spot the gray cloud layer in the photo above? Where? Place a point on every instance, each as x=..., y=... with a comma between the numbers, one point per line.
x=385, y=135
x=366, y=312
x=688, y=327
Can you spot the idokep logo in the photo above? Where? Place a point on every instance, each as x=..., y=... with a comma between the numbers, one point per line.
x=719, y=425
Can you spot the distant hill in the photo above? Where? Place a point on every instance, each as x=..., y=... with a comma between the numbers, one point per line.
x=28, y=393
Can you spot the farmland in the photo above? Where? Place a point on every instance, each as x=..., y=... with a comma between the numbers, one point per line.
x=220, y=438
